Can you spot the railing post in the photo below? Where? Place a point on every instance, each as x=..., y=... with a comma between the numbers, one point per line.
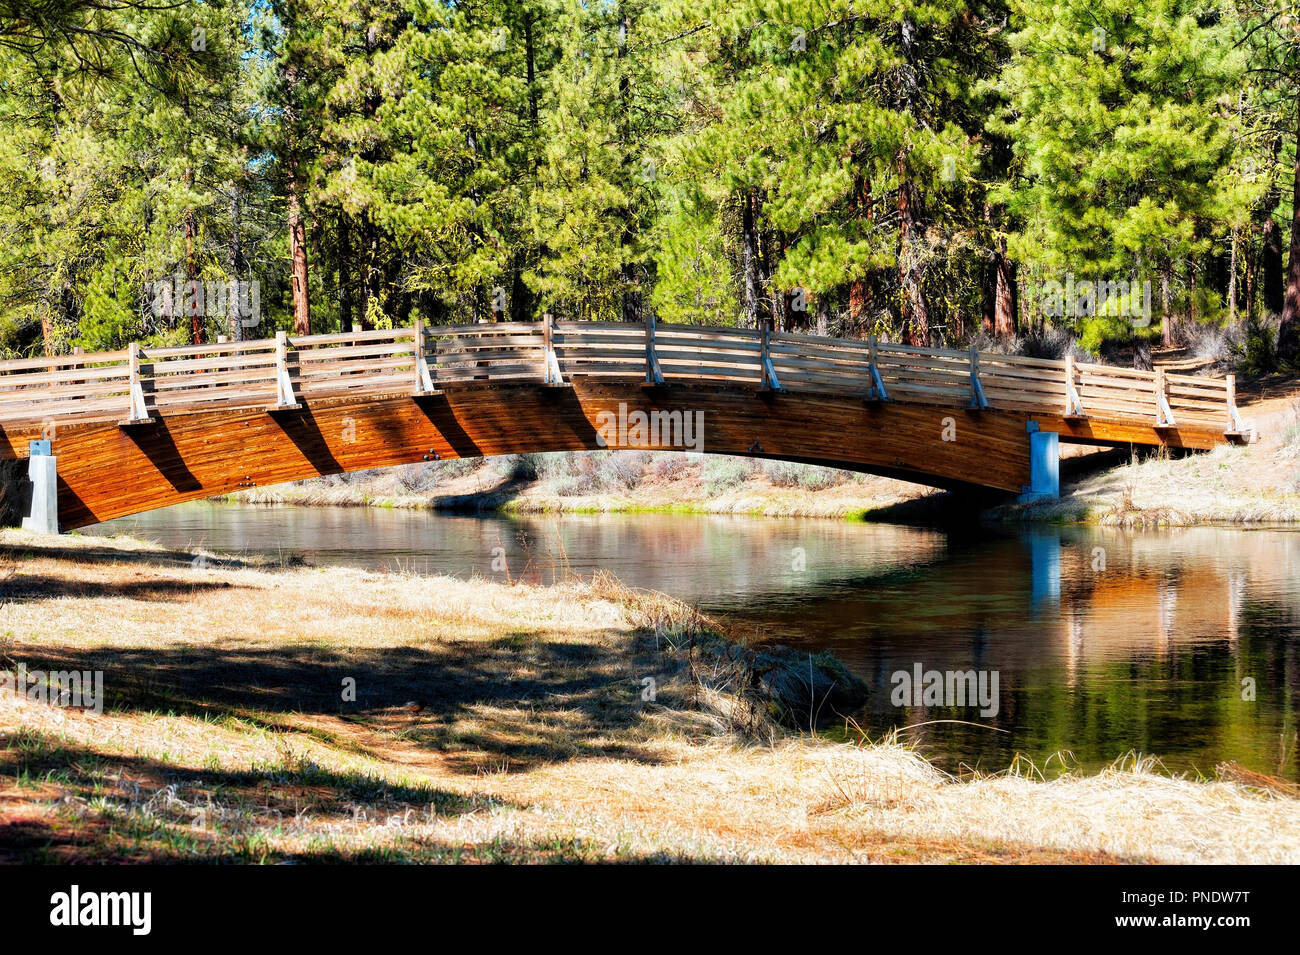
x=653, y=374
x=283, y=383
x=423, y=380
x=1164, y=414
x=553, y=376
x=78, y=351
x=977, y=399
x=770, y=381
x=1234, y=419
x=139, y=411
x=878, y=392
x=1073, y=405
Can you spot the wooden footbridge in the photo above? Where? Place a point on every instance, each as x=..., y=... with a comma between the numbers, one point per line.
x=146, y=427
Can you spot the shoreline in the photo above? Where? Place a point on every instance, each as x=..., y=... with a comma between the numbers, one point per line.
x=534, y=739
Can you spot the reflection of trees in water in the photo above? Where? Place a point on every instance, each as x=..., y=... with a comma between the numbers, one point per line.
x=702, y=556
x=1145, y=650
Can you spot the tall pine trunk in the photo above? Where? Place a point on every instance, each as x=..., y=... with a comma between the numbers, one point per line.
x=1288, y=333
x=191, y=278
x=1271, y=266
x=1000, y=294
x=345, y=278
x=1232, y=281
x=749, y=259
x=234, y=266
x=297, y=229
x=914, y=313
x=630, y=306
x=298, y=256
x=371, y=272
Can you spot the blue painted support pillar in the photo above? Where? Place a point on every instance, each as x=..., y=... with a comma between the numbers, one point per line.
x=42, y=469
x=1044, y=466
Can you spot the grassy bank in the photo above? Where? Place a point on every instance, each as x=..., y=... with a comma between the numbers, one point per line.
x=1255, y=484
x=607, y=482
x=226, y=735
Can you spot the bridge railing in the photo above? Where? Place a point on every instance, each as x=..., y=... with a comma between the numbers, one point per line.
x=39, y=388
x=132, y=383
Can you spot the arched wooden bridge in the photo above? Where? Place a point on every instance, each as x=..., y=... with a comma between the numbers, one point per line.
x=147, y=427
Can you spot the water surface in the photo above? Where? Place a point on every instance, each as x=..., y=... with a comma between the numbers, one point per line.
x=1104, y=642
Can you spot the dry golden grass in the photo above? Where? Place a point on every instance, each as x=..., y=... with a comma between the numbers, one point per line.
x=226, y=736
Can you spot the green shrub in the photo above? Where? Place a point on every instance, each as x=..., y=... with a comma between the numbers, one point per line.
x=723, y=473
x=669, y=465
x=783, y=473
x=456, y=467
x=815, y=478
x=807, y=476
x=1259, y=354
x=516, y=467
x=624, y=469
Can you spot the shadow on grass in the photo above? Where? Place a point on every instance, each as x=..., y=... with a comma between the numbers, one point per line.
x=134, y=809
x=507, y=704
x=119, y=807
x=27, y=587
x=109, y=555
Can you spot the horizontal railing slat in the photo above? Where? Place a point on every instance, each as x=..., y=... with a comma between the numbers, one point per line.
x=360, y=361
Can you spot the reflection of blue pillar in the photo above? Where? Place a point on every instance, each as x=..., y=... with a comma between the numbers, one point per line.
x=1044, y=465
x=1045, y=568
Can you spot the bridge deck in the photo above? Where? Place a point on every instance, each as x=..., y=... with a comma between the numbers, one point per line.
x=1082, y=401
x=148, y=427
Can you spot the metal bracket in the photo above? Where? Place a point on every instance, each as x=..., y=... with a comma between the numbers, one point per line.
x=1164, y=414
x=1073, y=404
x=553, y=377
x=423, y=379
x=653, y=373
x=139, y=410
x=770, y=381
x=1235, y=424
x=284, y=397
x=977, y=399
x=877, y=392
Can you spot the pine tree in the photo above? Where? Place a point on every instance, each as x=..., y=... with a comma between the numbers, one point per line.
x=847, y=143
x=1121, y=114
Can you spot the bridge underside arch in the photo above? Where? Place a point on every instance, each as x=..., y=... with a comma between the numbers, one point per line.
x=107, y=470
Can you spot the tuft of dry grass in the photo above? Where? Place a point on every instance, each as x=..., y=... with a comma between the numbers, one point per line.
x=227, y=736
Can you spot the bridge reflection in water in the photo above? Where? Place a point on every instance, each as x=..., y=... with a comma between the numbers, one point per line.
x=1105, y=641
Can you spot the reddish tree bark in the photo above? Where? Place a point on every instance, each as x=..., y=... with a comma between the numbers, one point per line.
x=1288, y=333
x=298, y=257
x=914, y=313
x=191, y=277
